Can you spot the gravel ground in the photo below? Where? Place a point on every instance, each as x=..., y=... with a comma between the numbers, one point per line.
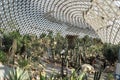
x=49, y=67
x=4, y=70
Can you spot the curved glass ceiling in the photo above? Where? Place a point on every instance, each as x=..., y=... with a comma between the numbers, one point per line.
x=96, y=18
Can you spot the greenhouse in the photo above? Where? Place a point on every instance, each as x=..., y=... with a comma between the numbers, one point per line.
x=59, y=39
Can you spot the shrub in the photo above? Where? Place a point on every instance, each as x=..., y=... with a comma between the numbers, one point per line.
x=22, y=63
x=110, y=52
x=3, y=58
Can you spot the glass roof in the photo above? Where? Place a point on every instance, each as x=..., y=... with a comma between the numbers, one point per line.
x=96, y=18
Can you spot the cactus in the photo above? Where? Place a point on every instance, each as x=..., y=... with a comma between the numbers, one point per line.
x=3, y=56
x=97, y=75
x=0, y=41
x=12, y=51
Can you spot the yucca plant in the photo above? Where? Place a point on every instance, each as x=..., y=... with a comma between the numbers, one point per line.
x=18, y=74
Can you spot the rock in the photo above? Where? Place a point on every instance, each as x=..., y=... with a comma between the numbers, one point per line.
x=4, y=70
x=87, y=68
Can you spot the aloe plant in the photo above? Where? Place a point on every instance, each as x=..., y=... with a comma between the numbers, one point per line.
x=18, y=74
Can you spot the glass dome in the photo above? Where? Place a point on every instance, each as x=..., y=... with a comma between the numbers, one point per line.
x=96, y=18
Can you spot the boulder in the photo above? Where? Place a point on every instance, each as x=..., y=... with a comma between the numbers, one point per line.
x=87, y=68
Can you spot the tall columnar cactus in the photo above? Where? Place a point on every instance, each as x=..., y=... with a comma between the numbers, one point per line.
x=97, y=75
x=12, y=50
x=0, y=40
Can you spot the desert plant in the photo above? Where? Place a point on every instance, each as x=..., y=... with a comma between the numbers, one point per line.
x=86, y=42
x=42, y=35
x=43, y=77
x=18, y=74
x=7, y=41
x=3, y=58
x=75, y=76
x=110, y=76
x=110, y=52
x=97, y=75
x=22, y=63
x=12, y=51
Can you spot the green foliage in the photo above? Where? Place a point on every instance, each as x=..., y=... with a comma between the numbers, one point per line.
x=110, y=76
x=97, y=75
x=42, y=35
x=15, y=34
x=9, y=37
x=21, y=39
x=57, y=42
x=7, y=41
x=75, y=76
x=26, y=38
x=110, y=52
x=3, y=57
x=61, y=42
x=2, y=30
x=22, y=63
x=50, y=34
x=43, y=77
x=18, y=74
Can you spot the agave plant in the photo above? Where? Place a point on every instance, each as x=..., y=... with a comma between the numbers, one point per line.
x=18, y=74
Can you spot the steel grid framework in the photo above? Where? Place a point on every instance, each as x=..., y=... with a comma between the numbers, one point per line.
x=97, y=18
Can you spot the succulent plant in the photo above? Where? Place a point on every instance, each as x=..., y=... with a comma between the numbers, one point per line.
x=97, y=75
x=18, y=74
x=3, y=57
